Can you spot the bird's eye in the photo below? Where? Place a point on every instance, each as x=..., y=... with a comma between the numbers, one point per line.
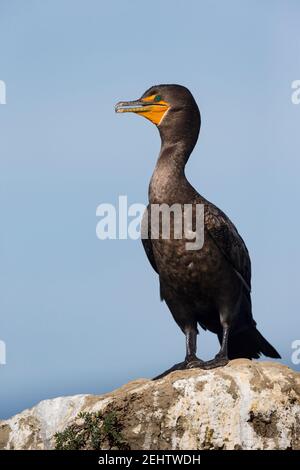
x=157, y=98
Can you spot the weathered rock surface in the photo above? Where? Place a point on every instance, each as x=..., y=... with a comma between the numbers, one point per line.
x=245, y=405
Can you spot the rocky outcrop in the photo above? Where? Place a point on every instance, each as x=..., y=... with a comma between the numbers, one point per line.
x=245, y=405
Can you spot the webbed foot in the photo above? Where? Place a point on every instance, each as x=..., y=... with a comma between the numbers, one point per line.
x=191, y=363
x=218, y=361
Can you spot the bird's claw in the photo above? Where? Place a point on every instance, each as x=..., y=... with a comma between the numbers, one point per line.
x=187, y=364
x=218, y=361
x=194, y=364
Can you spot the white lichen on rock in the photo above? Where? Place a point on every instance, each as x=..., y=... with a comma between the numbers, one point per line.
x=245, y=405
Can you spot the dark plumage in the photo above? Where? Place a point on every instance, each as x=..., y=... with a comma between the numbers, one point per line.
x=210, y=286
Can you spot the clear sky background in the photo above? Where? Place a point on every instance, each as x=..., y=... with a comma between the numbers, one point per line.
x=80, y=315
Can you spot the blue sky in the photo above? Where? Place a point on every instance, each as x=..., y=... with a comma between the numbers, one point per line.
x=80, y=315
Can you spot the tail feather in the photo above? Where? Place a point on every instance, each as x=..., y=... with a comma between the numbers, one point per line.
x=250, y=344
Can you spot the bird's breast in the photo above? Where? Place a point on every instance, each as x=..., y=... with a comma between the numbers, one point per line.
x=184, y=267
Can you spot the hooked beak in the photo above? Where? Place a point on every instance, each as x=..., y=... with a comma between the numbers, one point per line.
x=147, y=107
x=135, y=106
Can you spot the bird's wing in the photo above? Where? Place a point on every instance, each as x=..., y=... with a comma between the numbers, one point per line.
x=229, y=242
x=147, y=243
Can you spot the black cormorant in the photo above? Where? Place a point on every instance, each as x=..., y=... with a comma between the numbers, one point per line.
x=209, y=286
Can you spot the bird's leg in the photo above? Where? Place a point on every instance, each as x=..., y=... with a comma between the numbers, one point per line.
x=224, y=347
x=191, y=345
x=221, y=358
x=191, y=360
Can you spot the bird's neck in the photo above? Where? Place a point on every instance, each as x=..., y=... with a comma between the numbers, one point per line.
x=168, y=175
x=168, y=183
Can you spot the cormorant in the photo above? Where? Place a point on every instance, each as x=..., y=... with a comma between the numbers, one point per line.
x=209, y=286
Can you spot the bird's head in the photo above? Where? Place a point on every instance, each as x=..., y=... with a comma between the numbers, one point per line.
x=172, y=108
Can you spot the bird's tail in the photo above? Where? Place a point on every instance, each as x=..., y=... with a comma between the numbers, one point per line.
x=250, y=344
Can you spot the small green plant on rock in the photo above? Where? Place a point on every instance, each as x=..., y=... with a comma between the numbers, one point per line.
x=92, y=431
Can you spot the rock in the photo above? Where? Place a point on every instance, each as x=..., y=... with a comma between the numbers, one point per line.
x=245, y=405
